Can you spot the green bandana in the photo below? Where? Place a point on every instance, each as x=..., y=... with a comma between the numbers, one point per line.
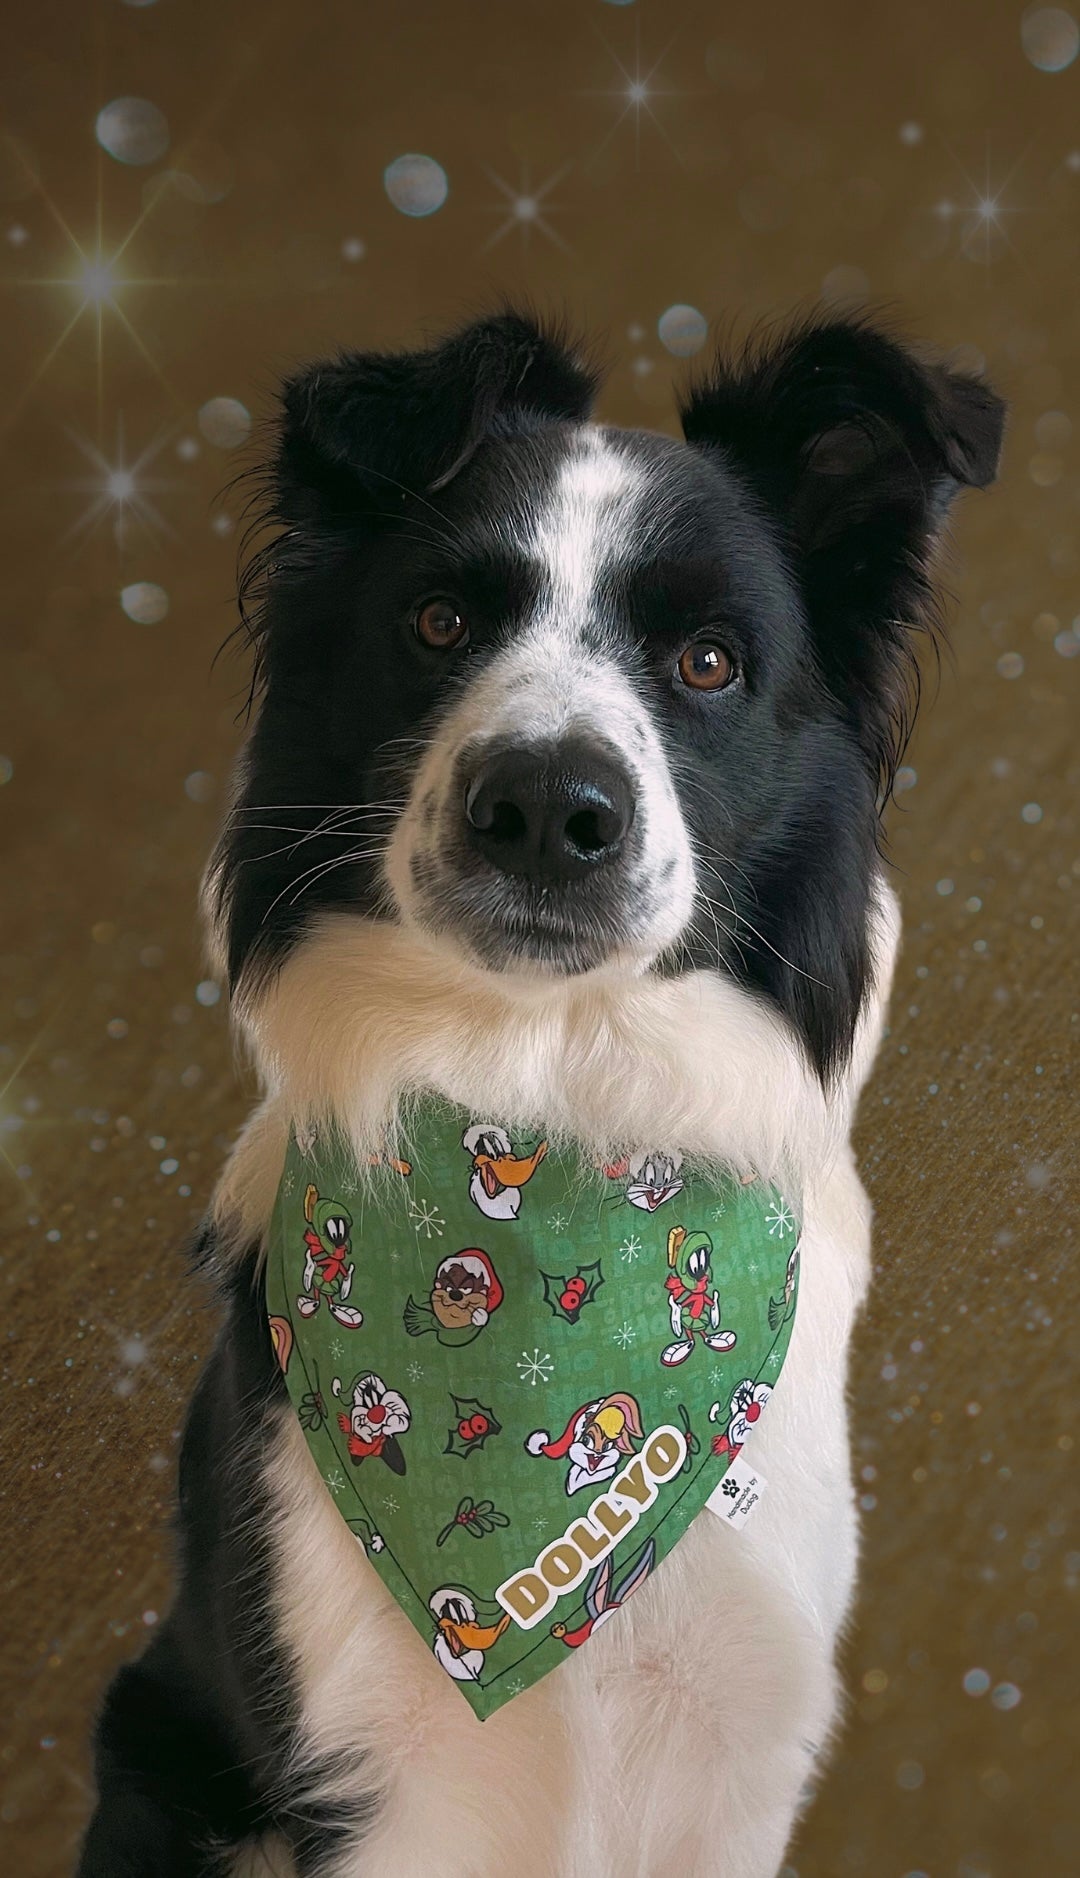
x=521, y=1384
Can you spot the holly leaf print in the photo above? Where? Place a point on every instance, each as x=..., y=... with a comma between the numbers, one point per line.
x=474, y=1424
x=567, y=1296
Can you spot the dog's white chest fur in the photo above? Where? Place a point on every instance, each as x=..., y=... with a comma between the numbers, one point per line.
x=601, y=1770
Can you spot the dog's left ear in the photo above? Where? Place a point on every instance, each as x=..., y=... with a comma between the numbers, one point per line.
x=366, y=426
x=857, y=448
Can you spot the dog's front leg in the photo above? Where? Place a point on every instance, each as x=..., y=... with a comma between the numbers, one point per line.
x=168, y=1800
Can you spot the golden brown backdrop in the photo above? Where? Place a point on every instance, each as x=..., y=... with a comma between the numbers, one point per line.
x=621, y=161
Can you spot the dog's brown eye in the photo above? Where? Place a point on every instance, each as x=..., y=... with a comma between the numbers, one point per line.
x=441, y=626
x=705, y=666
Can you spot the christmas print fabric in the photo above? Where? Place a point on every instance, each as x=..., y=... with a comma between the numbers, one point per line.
x=521, y=1383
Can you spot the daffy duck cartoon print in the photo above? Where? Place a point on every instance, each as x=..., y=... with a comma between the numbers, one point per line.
x=327, y=1272
x=498, y=1174
x=694, y=1310
x=460, y=1639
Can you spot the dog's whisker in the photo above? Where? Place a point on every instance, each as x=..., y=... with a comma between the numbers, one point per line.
x=333, y=808
x=290, y=847
x=721, y=926
x=728, y=862
x=760, y=936
x=314, y=874
x=339, y=823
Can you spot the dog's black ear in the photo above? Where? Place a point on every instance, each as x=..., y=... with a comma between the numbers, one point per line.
x=857, y=448
x=378, y=424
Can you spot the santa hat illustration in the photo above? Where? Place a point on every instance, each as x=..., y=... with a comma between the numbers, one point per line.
x=540, y=1442
x=617, y=1415
x=480, y=1266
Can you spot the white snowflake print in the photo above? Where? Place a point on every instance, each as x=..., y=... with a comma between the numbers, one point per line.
x=535, y=1368
x=415, y=1371
x=426, y=1219
x=335, y=1480
x=290, y=1182
x=337, y=1348
x=775, y=1359
x=516, y=1686
x=389, y=1503
x=779, y=1221
x=557, y=1222
x=630, y=1249
x=624, y=1336
x=719, y=1209
x=539, y=1525
x=670, y=1393
x=753, y=1266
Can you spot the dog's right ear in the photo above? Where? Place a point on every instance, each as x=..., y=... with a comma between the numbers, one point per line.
x=368, y=427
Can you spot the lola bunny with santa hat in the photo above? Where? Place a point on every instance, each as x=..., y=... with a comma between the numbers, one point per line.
x=596, y=1440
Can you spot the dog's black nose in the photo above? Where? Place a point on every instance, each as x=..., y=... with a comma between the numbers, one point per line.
x=551, y=813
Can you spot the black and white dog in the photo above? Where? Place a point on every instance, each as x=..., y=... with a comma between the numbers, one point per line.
x=562, y=799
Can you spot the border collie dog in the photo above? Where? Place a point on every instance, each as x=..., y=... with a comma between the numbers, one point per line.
x=561, y=800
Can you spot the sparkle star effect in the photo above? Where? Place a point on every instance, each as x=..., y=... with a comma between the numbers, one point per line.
x=97, y=281
x=89, y=287
x=136, y=1351
x=118, y=491
x=979, y=215
x=526, y=208
x=637, y=89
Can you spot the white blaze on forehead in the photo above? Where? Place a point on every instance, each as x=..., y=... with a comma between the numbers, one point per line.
x=585, y=526
x=556, y=677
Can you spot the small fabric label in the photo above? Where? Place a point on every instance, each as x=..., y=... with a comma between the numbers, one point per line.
x=738, y=1494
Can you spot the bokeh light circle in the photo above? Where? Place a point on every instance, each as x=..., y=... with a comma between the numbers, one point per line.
x=132, y=130
x=844, y=285
x=1053, y=431
x=225, y=422
x=682, y=330
x=416, y=185
x=203, y=172
x=1050, y=38
x=145, y=602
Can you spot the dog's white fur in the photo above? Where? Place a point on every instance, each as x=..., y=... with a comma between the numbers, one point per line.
x=681, y=1739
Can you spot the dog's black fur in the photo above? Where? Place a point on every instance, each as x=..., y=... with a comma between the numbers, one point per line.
x=795, y=527
x=196, y=1743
